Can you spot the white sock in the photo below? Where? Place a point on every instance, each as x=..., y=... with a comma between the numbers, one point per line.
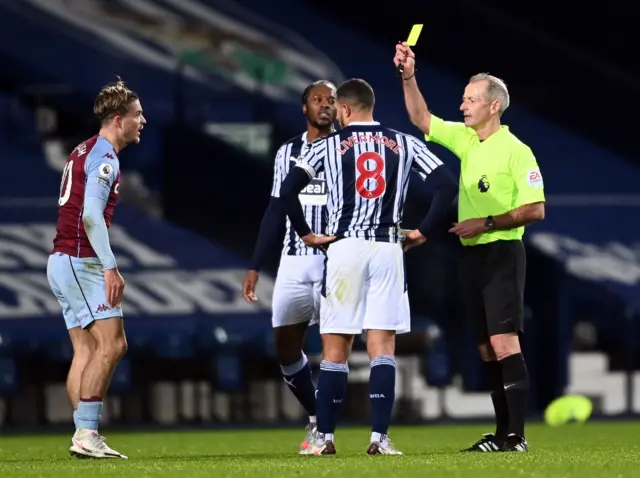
x=327, y=437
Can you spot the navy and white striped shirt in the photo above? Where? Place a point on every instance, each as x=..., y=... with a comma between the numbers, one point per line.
x=367, y=169
x=313, y=197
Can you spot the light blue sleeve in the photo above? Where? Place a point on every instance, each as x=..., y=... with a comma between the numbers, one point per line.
x=102, y=168
x=102, y=172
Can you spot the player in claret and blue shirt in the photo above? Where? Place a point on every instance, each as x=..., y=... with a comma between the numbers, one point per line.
x=82, y=270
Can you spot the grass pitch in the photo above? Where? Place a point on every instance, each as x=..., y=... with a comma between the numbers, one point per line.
x=581, y=451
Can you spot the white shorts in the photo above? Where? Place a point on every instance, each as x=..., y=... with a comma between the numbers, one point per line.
x=364, y=288
x=296, y=293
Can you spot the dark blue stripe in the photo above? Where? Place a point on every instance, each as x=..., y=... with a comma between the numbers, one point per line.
x=348, y=187
x=390, y=195
x=404, y=270
x=323, y=290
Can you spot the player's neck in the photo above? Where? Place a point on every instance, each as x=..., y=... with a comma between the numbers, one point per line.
x=314, y=133
x=487, y=129
x=112, y=138
x=359, y=118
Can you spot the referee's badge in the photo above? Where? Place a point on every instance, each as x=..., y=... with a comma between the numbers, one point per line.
x=534, y=178
x=484, y=184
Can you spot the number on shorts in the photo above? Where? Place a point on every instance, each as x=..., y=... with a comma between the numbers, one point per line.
x=65, y=185
x=366, y=176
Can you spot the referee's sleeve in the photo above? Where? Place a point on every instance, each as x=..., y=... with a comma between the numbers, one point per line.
x=527, y=176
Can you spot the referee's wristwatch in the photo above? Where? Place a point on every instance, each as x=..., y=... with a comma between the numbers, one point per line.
x=490, y=224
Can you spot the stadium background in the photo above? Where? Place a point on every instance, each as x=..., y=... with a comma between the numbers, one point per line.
x=220, y=84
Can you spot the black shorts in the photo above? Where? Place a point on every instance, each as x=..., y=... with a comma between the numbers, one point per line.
x=493, y=277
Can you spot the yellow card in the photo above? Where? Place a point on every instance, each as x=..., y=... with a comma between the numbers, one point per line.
x=415, y=34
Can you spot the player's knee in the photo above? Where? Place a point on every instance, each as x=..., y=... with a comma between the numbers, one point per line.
x=336, y=347
x=84, y=346
x=288, y=342
x=505, y=345
x=113, y=351
x=487, y=354
x=84, y=352
x=381, y=342
x=288, y=354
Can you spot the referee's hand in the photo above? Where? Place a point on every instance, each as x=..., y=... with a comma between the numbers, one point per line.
x=469, y=228
x=249, y=286
x=318, y=241
x=412, y=238
x=406, y=58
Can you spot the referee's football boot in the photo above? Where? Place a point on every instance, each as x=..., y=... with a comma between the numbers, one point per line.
x=515, y=443
x=383, y=447
x=488, y=443
x=321, y=446
x=312, y=432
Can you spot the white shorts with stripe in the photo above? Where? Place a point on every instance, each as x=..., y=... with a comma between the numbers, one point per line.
x=296, y=293
x=364, y=288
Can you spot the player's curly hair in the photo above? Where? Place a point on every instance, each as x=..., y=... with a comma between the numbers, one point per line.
x=307, y=90
x=114, y=99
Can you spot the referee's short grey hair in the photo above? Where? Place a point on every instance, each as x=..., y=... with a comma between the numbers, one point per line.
x=497, y=89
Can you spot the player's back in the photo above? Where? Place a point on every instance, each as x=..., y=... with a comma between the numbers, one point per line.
x=95, y=154
x=367, y=168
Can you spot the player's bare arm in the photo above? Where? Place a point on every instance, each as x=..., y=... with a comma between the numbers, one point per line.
x=518, y=217
x=419, y=113
x=249, y=285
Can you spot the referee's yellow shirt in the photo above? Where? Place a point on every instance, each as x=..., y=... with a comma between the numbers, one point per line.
x=497, y=175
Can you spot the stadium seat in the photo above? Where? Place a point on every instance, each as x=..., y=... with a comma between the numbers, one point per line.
x=9, y=383
x=121, y=380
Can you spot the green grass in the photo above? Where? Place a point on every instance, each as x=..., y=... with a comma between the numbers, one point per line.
x=582, y=451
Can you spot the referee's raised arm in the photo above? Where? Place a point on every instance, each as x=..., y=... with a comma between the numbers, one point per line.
x=413, y=99
x=501, y=191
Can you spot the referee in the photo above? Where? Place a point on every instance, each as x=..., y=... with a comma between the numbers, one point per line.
x=500, y=192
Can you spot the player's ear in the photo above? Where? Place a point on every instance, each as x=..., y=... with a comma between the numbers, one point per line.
x=304, y=109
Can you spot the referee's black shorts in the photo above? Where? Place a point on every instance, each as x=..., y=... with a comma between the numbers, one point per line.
x=493, y=277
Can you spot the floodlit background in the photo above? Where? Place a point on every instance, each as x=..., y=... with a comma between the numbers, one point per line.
x=220, y=83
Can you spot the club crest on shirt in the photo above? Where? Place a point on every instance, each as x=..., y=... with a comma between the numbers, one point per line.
x=484, y=184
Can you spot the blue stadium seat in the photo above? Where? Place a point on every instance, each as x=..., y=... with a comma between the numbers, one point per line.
x=173, y=344
x=121, y=381
x=437, y=364
x=6, y=344
x=8, y=377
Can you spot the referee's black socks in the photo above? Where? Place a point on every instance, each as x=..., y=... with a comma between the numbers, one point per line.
x=515, y=378
x=499, y=398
